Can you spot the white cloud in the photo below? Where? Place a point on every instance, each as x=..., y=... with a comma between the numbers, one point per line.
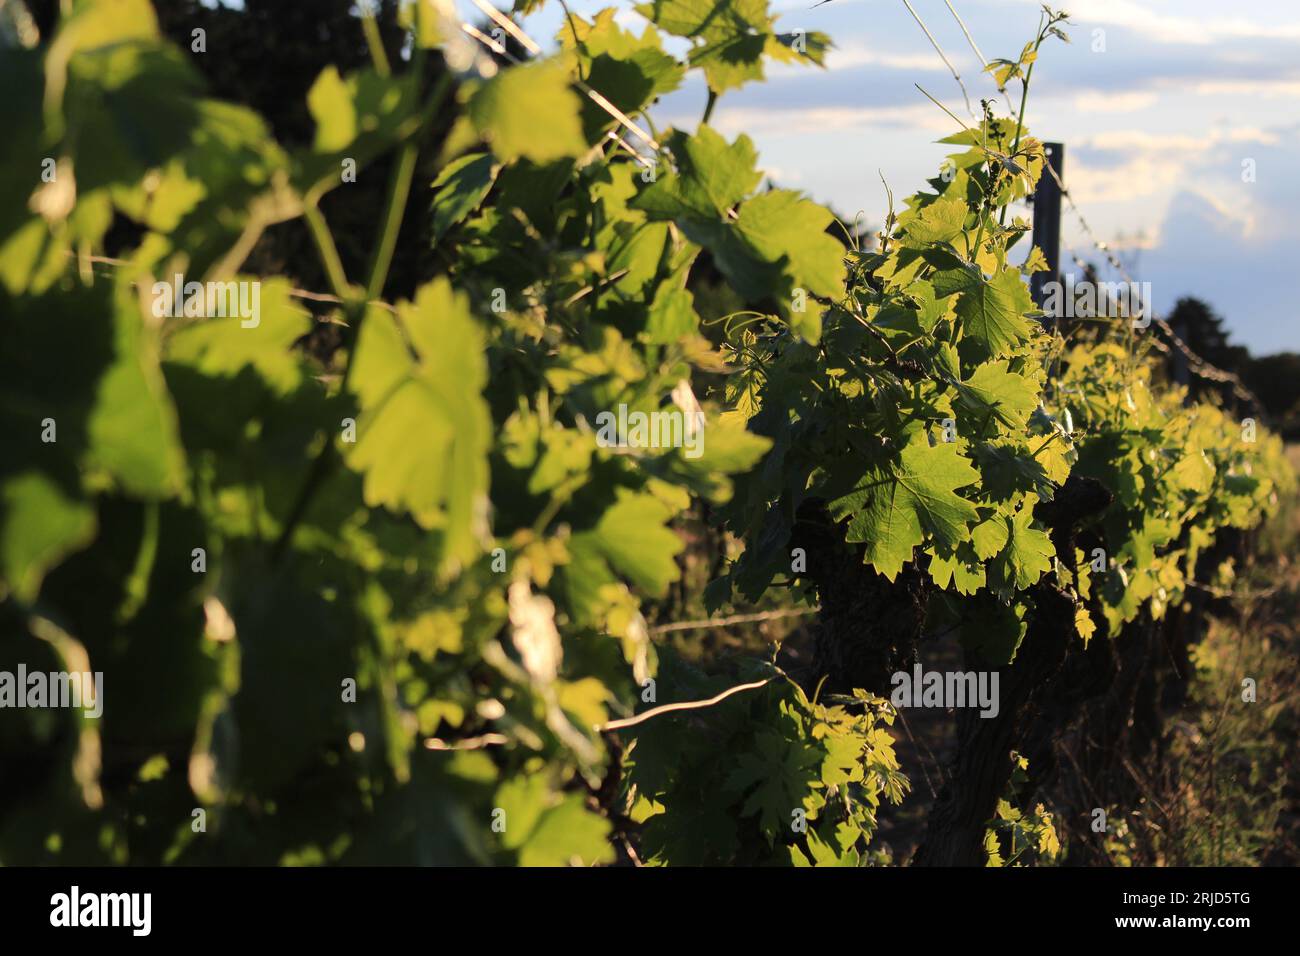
x=1101, y=101
x=1151, y=166
x=1168, y=144
x=1170, y=28
x=1260, y=88
x=758, y=120
x=851, y=55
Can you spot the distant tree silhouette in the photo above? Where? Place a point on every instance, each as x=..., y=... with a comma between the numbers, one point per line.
x=1274, y=379
x=1202, y=329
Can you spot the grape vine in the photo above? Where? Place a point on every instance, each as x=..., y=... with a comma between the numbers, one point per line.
x=380, y=599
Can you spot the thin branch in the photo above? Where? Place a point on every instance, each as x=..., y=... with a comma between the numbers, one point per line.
x=601, y=285
x=469, y=743
x=917, y=744
x=959, y=120
x=329, y=253
x=622, y=118
x=373, y=40
x=505, y=23
x=399, y=189
x=683, y=705
x=937, y=49
x=391, y=224
x=708, y=108
x=734, y=619
x=971, y=40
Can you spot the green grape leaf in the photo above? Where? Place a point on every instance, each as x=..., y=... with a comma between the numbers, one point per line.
x=727, y=447
x=729, y=39
x=629, y=71
x=894, y=507
x=821, y=853
x=789, y=230
x=994, y=391
x=990, y=536
x=1026, y=558
x=524, y=798
x=962, y=569
x=993, y=630
x=460, y=188
x=339, y=107
x=39, y=526
x=568, y=835
x=357, y=116
x=529, y=111
x=991, y=311
x=941, y=221
x=330, y=103
x=631, y=537
x=106, y=67
x=288, y=703
x=777, y=777
x=692, y=18
x=712, y=178
x=671, y=315
x=133, y=429
x=424, y=430
x=799, y=47
x=223, y=346
x=732, y=60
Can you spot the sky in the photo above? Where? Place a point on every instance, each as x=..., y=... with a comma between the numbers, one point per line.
x=1180, y=118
